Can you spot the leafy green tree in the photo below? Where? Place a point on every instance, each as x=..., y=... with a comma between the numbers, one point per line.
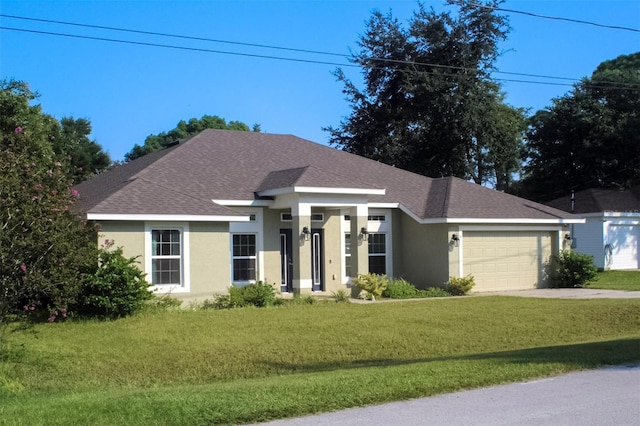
x=429, y=104
x=184, y=130
x=589, y=137
x=86, y=156
x=45, y=247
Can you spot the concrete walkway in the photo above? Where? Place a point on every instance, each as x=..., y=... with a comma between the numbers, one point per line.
x=550, y=293
x=608, y=396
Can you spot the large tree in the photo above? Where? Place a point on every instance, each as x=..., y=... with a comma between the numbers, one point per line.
x=85, y=155
x=45, y=247
x=184, y=130
x=589, y=137
x=429, y=104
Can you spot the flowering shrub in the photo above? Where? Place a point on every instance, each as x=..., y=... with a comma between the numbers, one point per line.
x=45, y=247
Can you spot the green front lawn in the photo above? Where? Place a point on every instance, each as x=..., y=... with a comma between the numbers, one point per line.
x=617, y=280
x=249, y=365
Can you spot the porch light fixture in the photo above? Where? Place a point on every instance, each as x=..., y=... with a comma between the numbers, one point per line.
x=364, y=234
x=567, y=239
x=455, y=240
x=306, y=234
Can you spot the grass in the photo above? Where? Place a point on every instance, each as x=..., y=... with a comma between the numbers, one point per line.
x=250, y=365
x=617, y=280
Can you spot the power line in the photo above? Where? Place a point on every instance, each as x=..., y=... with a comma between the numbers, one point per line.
x=196, y=49
x=237, y=43
x=556, y=18
x=595, y=84
x=279, y=48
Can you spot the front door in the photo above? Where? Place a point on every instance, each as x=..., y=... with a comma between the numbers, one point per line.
x=286, y=261
x=317, y=260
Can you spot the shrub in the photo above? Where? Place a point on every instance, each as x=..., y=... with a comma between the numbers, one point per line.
x=434, y=292
x=403, y=289
x=303, y=300
x=258, y=294
x=219, y=301
x=341, y=296
x=575, y=269
x=459, y=286
x=400, y=289
x=164, y=302
x=117, y=288
x=373, y=284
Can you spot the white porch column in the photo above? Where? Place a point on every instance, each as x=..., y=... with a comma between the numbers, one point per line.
x=301, y=218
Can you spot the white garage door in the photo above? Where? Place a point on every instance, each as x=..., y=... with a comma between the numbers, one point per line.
x=624, y=246
x=503, y=260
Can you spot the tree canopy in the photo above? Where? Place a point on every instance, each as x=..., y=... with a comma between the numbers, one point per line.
x=86, y=155
x=589, y=137
x=429, y=104
x=45, y=247
x=184, y=130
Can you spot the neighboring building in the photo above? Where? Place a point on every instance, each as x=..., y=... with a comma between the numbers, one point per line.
x=234, y=207
x=612, y=229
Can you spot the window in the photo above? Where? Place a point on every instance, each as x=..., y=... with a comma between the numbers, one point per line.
x=244, y=257
x=166, y=257
x=347, y=255
x=370, y=218
x=378, y=253
x=317, y=217
x=286, y=217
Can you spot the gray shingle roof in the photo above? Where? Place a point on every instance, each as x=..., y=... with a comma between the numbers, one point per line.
x=600, y=200
x=233, y=165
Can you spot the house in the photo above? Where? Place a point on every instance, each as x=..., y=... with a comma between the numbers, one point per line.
x=233, y=207
x=612, y=229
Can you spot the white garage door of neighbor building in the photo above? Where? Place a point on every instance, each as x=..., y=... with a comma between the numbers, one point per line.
x=624, y=246
x=501, y=260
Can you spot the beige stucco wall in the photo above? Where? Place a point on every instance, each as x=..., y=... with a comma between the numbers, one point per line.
x=332, y=252
x=421, y=253
x=128, y=235
x=209, y=249
x=272, y=225
x=210, y=264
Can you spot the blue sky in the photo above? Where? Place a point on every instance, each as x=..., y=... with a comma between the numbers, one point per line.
x=131, y=91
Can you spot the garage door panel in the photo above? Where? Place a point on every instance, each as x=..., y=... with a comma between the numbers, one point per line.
x=624, y=246
x=501, y=260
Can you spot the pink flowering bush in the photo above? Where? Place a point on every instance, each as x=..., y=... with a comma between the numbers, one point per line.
x=46, y=248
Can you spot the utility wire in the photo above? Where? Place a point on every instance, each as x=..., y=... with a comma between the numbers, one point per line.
x=263, y=46
x=237, y=43
x=575, y=21
x=596, y=85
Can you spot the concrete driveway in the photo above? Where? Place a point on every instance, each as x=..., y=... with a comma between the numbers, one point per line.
x=608, y=396
x=567, y=293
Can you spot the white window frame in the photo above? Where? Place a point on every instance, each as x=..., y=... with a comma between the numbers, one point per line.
x=253, y=227
x=185, y=258
x=384, y=254
x=380, y=223
x=247, y=257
